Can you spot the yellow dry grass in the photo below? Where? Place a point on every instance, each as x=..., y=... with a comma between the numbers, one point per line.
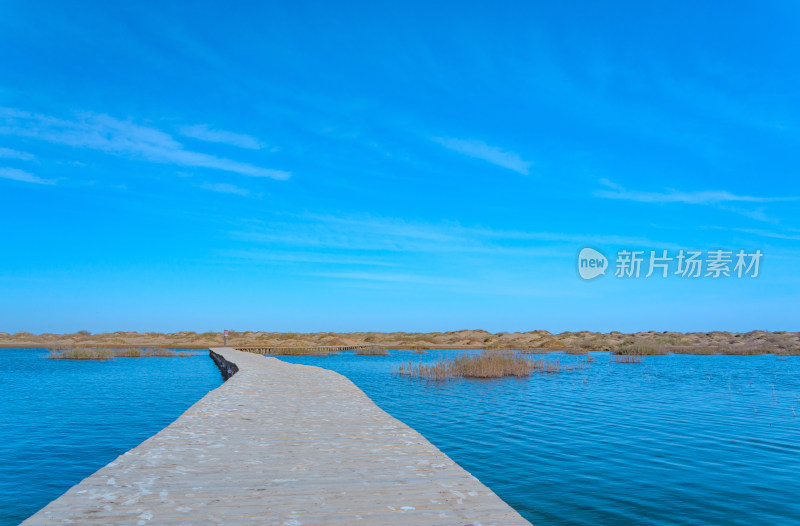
x=754, y=342
x=487, y=364
x=110, y=354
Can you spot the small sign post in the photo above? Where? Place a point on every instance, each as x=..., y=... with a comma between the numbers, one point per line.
x=225, y=338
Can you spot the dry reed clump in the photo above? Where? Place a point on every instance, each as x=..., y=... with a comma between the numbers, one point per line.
x=487, y=364
x=706, y=349
x=506, y=346
x=375, y=351
x=538, y=350
x=638, y=349
x=82, y=354
x=628, y=358
x=110, y=354
x=128, y=353
x=165, y=353
x=579, y=351
x=643, y=349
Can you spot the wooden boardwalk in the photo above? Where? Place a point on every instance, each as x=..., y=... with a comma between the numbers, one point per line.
x=281, y=444
x=313, y=349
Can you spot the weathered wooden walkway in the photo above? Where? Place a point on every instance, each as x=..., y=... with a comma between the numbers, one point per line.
x=310, y=350
x=281, y=444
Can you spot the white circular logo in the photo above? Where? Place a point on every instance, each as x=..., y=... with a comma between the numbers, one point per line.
x=591, y=263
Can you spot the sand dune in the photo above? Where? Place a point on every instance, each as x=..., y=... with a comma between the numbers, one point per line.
x=755, y=342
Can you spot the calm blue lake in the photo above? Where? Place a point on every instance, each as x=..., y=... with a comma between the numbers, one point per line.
x=673, y=440
x=62, y=420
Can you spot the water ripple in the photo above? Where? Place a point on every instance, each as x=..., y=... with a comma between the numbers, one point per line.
x=674, y=440
x=62, y=420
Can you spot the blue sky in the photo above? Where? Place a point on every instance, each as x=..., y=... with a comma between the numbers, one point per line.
x=298, y=166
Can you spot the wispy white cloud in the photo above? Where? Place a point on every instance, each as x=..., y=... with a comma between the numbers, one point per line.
x=767, y=233
x=705, y=197
x=123, y=138
x=390, y=278
x=757, y=215
x=23, y=176
x=380, y=234
x=202, y=132
x=440, y=254
x=303, y=257
x=491, y=154
x=7, y=153
x=225, y=188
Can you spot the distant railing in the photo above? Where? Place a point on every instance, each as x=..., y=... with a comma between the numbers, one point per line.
x=327, y=349
x=312, y=349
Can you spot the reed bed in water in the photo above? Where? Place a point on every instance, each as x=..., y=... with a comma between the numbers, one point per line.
x=638, y=349
x=643, y=349
x=375, y=351
x=487, y=364
x=628, y=358
x=110, y=354
x=580, y=351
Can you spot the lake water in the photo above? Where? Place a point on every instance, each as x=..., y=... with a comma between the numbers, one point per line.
x=61, y=420
x=673, y=440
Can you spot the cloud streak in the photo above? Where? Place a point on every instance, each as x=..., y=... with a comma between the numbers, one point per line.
x=225, y=188
x=766, y=233
x=202, y=132
x=706, y=197
x=7, y=153
x=122, y=138
x=23, y=176
x=389, y=278
x=302, y=257
x=490, y=154
x=368, y=234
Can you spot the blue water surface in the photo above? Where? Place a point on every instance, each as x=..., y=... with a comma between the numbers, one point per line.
x=61, y=420
x=675, y=439
x=672, y=440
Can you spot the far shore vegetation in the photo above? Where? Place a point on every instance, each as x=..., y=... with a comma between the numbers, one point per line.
x=641, y=343
x=110, y=354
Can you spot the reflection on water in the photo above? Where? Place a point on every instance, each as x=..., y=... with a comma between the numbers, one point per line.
x=672, y=440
